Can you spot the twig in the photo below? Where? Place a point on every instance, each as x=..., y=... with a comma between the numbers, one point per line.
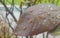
x=12, y=6
x=31, y=36
x=27, y=37
x=47, y=35
x=16, y=7
x=9, y=24
x=52, y=30
x=21, y=8
x=43, y=35
x=8, y=10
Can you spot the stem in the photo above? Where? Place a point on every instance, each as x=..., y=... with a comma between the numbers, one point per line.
x=21, y=8
x=47, y=35
x=43, y=35
x=31, y=36
x=27, y=37
x=9, y=22
x=12, y=6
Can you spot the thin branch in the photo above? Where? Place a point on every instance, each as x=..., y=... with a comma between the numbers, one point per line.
x=21, y=11
x=47, y=35
x=52, y=30
x=31, y=36
x=8, y=10
x=43, y=35
x=27, y=37
x=14, y=6
x=9, y=22
x=21, y=8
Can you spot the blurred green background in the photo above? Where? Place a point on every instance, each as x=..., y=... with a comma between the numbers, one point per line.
x=18, y=2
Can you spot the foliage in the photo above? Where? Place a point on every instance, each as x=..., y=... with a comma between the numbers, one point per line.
x=18, y=2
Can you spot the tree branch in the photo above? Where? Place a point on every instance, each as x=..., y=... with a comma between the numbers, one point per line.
x=8, y=10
